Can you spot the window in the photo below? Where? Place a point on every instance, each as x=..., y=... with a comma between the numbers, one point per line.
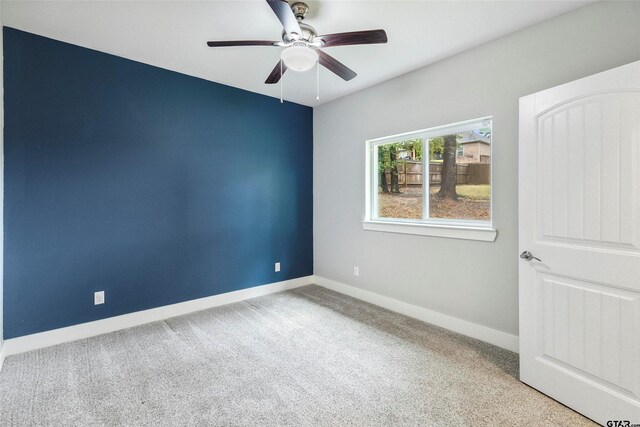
x=438, y=177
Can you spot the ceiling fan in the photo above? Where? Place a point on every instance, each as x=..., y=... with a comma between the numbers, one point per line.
x=303, y=44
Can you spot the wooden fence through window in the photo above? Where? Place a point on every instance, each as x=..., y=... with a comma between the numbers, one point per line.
x=410, y=173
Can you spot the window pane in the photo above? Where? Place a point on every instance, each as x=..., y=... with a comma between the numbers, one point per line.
x=400, y=179
x=460, y=173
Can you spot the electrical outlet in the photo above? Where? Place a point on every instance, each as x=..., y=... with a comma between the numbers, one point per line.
x=98, y=298
x=277, y=267
x=356, y=271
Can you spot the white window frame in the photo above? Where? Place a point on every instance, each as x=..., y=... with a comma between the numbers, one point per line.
x=458, y=229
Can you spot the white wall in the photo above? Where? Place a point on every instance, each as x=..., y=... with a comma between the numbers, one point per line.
x=475, y=281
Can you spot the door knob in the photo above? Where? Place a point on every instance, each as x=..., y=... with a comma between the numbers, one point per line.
x=528, y=256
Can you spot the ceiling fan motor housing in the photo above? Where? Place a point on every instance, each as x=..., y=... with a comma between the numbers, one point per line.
x=308, y=34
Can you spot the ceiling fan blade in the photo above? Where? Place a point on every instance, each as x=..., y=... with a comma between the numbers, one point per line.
x=335, y=66
x=231, y=43
x=285, y=15
x=354, y=37
x=275, y=75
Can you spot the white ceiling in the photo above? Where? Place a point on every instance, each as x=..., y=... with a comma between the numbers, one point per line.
x=172, y=35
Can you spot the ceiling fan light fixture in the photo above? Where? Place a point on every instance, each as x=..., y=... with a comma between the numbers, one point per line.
x=299, y=58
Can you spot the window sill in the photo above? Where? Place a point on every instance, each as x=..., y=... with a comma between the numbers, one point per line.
x=484, y=234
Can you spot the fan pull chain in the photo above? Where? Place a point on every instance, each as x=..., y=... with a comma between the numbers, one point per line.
x=317, y=80
x=281, y=82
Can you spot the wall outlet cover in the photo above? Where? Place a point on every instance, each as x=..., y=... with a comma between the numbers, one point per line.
x=277, y=267
x=98, y=298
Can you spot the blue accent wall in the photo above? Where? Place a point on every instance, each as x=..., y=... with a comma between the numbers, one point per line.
x=153, y=186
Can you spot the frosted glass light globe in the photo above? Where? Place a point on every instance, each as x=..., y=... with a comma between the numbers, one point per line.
x=299, y=58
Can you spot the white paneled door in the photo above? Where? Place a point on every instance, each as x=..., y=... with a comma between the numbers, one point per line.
x=580, y=244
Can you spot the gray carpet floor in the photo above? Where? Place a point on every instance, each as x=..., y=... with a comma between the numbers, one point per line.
x=304, y=357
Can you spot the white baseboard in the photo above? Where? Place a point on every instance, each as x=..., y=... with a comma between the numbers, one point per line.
x=464, y=327
x=85, y=330
x=1, y=353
